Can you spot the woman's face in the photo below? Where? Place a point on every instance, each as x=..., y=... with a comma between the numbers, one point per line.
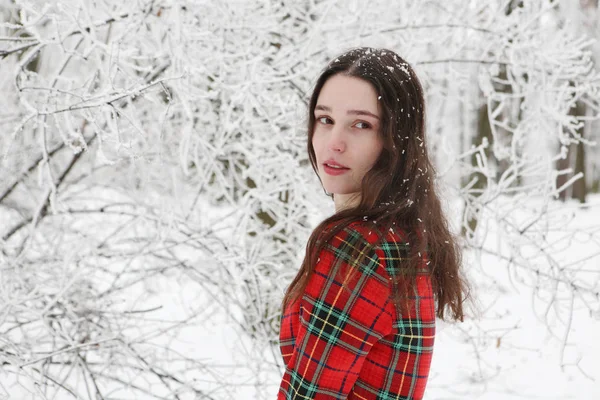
x=347, y=123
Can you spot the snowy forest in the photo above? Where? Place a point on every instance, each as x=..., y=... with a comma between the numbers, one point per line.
x=156, y=194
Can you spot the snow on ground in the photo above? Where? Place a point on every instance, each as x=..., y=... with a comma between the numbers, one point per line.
x=518, y=348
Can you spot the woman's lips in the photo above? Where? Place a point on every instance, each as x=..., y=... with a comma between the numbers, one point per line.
x=334, y=171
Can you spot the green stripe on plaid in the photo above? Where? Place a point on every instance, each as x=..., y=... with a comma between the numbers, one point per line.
x=334, y=328
x=327, y=321
x=395, y=253
x=380, y=394
x=418, y=338
x=306, y=390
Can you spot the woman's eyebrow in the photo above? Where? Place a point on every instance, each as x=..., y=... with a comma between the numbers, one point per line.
x=351, y=112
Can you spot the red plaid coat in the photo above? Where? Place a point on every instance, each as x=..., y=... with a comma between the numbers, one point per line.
x=338, y=344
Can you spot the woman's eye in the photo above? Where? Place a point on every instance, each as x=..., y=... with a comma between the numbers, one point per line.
x=365, y=125
x=320, y=119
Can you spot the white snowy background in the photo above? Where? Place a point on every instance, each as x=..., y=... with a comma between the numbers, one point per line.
x=156, y=195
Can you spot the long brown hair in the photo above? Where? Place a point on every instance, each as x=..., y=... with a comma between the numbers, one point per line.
x=399, y=190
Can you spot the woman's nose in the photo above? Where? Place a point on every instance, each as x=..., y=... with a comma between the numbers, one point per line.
x=337, y=141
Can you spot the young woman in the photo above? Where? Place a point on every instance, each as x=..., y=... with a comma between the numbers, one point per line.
x=358, y=320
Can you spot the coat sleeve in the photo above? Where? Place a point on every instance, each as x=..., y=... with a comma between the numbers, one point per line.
x=338, y=326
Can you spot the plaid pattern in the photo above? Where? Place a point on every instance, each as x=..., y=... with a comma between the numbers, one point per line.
x=341, y=344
